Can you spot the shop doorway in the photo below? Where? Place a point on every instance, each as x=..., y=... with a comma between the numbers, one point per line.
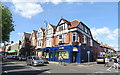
x=74, y=57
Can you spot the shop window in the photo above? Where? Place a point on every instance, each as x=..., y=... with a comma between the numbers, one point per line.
x=64, y=54
x=84, y=39
x=75, y=37
x=46, y=54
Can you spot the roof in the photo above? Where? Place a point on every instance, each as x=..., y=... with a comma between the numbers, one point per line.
x=35, y=33
x=74, y=23
x=27, y=35
x=66, y=20
x=53, y=26
x=42, y=29
x=107, y=46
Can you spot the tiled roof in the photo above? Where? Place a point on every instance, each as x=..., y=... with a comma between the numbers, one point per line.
x=35, y=33
x=53, y=26
x=107, y=46
x=27, y=35
x=66, y=21
x=74, y=23
x=42, y=29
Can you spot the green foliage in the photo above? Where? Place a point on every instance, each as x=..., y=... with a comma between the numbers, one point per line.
x=7, y=23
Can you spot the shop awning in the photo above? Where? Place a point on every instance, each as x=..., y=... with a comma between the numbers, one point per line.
x=12, y=51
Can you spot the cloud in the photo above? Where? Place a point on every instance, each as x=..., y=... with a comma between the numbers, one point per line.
x=20, y=33
x=30, y=8
x=61, y=0
x=27, y=9
x=104, y=32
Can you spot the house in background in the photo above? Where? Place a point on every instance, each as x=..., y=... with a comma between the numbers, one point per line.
x=40, y=41
x=49, y=41
x=108, y=49
x=25, y=44
x=33, y=44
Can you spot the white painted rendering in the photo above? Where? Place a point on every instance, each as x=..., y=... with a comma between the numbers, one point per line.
x=40, y=38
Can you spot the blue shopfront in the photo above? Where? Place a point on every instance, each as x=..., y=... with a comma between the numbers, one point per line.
x=70, y=53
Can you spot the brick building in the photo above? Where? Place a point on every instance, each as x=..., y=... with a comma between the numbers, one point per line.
x=69, y=39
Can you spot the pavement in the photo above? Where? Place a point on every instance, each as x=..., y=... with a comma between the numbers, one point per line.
x=76, y=64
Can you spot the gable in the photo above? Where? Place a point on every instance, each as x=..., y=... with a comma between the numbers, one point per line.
x=49, y=26
x=61, y=22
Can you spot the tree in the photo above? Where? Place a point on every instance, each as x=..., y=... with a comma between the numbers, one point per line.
x=6, y=26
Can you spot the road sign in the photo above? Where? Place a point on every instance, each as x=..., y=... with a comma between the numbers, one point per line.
x=88, y=52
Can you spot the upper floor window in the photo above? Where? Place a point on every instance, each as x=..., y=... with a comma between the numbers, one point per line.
x=86, y=30
x=48, y=41
x=61, y=39
x=61, y=28
x=39, y=34
x=91, y=42
x=48, y=31
x=75, y=37
x=84, y=39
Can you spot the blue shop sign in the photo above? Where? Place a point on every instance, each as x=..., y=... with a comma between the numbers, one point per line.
x=61, y=47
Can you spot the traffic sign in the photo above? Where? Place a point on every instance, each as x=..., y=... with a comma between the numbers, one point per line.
x=88, y=52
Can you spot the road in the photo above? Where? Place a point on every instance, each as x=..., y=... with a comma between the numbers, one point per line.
x=14, y=66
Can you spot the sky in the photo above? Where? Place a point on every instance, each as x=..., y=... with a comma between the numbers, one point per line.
x=100, y=17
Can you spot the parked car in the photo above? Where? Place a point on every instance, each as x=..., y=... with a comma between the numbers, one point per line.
x=100, y=60
x=9, y=56
x=21, y=58
x=34, y=61
x=45, y=61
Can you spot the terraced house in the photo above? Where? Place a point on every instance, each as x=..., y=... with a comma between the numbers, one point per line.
x=69, y=39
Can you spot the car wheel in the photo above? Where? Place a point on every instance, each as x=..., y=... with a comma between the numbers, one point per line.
x=33, y=64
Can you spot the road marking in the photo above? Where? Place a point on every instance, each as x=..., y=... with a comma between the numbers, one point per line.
x=47, y=72
x=5, y=72
x=99, y=72
x=109, y=69
x=73, y=70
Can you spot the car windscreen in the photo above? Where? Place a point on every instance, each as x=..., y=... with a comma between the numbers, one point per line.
x=36, y=58
x=100, y=57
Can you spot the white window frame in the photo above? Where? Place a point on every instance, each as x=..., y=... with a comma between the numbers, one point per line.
x=62, y=38
x=76, y=37
x=84, y=39
x=91, y=42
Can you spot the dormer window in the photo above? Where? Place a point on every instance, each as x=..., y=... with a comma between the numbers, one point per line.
x=85, y=29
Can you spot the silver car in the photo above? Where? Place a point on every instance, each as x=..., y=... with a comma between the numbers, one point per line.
x=34, y=61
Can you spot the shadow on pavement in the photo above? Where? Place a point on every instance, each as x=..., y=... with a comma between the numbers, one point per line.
x=13, y=67
x=28, y=72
